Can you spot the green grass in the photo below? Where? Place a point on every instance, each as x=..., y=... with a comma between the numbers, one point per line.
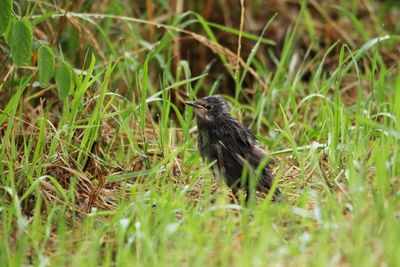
x=112, y=176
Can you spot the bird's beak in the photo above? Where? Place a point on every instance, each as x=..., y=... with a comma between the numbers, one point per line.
x=195, y=104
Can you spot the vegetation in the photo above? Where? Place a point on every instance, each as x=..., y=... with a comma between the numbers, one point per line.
x=99, y=164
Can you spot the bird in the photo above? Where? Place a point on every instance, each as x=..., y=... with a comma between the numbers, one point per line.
x=233, y=147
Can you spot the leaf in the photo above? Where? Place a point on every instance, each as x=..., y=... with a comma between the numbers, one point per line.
x=367, y=46
x=11, y=107
x=8, y=30
x=20, y=42
x=36, y=183
x=244, y=34
x=254, y=51
x=5, y=13
x=162, y=44
x=46, y=65
x=64, y=80
x=43, y=18
x=125, y=176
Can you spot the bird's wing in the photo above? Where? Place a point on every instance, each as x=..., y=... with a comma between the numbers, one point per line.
x=240, y=143
x=253, y=157
x=219, y=149
x=240, y=155
x=260, y=154
x=235, y=155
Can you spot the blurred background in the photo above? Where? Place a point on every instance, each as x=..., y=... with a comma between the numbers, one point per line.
x=301, y=30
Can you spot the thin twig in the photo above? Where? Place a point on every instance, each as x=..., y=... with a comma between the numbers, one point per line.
x=239, y=47
x=329, y=184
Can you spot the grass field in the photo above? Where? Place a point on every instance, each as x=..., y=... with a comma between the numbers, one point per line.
x=100, y=165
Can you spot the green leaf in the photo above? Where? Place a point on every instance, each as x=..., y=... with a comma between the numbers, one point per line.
x=125, y=176
x=5, y=13
x=354, y=58
x=20, y=42
x=7, y=32
x=244, y=34
x=64, y=80
x=165, y=41
x=43, y=18
x=46, y=65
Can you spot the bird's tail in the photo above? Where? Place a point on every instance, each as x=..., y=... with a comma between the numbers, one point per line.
x=278, y=196
x=265, y=185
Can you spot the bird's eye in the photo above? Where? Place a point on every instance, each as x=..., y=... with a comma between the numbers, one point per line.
x=207, y=106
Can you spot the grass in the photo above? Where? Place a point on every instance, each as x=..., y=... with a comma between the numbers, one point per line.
x=112, y=176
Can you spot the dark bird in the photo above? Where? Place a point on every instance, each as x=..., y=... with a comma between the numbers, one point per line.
x=223, y=139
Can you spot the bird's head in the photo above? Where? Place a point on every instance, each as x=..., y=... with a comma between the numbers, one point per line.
x=210, y=109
